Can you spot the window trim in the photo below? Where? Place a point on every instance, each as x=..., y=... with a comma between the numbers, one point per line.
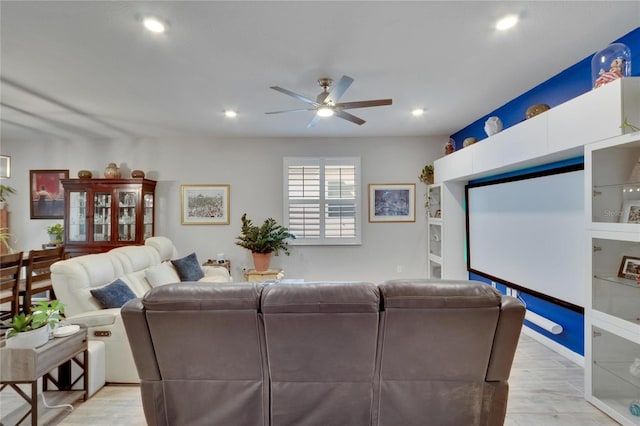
x=323, y=162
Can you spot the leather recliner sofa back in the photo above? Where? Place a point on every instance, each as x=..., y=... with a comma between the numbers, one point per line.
x=405, y=352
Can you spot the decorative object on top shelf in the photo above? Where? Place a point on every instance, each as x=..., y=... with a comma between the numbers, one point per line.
x=112, y=171
x=205, y=204
x=426, y=176
x=5, y=166
x=5, y=191
x=137, y=174
x=449, y=147
x=30, y=330
x=47, y=193
x=493, y=125
x=536, y=109
x=55, y=233
x=611, y=63
x=629, y=268
x=85, y=174
x=263, y=240
x=469, y=141
x=392, y=202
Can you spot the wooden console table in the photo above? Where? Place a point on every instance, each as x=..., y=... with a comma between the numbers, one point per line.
x=26, y=366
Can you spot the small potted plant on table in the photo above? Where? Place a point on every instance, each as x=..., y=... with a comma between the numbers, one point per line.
x=27, y=331
x=55, y=233
x=263, y=240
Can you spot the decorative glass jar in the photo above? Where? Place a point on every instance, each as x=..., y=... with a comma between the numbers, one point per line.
x=609, y=64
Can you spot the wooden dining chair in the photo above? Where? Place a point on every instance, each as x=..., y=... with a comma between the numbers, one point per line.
x=38, y=274
x=10, y=267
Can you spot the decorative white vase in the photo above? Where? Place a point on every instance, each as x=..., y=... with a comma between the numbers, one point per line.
x=29, y=339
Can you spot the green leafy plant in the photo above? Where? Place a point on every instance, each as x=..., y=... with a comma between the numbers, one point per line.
x=43, y=313
x=268, y=238
x=5, y=236
x=426, y=176
x=5, y=191
x=56, y=231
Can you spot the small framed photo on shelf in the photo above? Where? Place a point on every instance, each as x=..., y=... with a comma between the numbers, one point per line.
x=47, y=194
x=205, y=204
x=630, y=212
x=630, y=267
x=392, y=202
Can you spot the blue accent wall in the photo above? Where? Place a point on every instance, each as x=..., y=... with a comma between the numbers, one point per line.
x=572, y=82
x=572, y=336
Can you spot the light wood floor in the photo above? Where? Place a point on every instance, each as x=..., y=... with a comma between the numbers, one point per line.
x=546, y=389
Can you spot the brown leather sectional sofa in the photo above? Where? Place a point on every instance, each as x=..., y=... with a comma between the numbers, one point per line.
x=404, y=352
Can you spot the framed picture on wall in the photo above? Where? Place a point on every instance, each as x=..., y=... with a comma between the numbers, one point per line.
x=392, y=202
x=47, y=194
x=630, y=212
x=5, y=166
x=205, y=204
x=630, y=267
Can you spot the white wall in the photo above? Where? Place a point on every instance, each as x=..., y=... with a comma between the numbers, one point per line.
x=253, y=168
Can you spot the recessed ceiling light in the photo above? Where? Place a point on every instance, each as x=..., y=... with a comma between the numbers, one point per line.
x=230, y=113
x=153, y=24
x=507, y=22
x=417, y=112
x=325, y=112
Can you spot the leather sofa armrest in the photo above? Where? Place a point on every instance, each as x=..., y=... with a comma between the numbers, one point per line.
x=505, y=341
x=95, y=318
x=215, y=274
x=135, y=323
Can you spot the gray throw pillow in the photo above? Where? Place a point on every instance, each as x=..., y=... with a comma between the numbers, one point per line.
x=188, y=268
x=113, y=295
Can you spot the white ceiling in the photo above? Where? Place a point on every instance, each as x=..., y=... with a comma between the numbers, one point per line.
x=87, y=70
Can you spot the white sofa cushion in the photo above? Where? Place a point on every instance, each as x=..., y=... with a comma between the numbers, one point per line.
x=162, y=274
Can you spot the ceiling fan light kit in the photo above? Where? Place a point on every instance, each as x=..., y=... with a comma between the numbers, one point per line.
x=326, y=103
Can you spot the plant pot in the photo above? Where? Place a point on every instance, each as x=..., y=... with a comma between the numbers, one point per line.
x=261, y=261
x=55, y=238
x=29, y=339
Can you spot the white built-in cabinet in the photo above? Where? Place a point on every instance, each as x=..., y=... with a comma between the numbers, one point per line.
x=612, y=314
x=589, y=125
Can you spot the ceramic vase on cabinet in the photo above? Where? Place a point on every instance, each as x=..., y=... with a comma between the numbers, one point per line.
x=112, y=171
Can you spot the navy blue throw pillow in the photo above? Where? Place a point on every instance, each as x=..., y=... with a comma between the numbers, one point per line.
x=188, y=268
x=113, y=295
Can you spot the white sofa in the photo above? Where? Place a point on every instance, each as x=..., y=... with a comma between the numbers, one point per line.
x=141, y=268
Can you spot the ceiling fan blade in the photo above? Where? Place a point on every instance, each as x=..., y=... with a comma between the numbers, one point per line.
x=291, y=110
x=313, y=121
x=363, y=104
x=339, y=89
x=349, y=117
x=295, y=95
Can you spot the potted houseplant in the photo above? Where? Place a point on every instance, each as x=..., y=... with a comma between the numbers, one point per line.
x=27, y=331
x=426, y=176
x=55, y=233
x=263, y=240
x=5, y=191
x=4, y=240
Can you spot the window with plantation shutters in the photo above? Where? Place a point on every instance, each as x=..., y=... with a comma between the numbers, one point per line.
x=322, y=200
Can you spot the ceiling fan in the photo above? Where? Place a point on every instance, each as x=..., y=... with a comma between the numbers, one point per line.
x=326, y=103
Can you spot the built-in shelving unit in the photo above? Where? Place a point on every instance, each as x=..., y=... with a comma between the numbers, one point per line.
x=589, y=125
x=612, y=314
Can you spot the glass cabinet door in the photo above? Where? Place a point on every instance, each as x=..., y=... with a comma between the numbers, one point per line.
x=102, y=216
x=147, y=202
x=77, y=216
x=127, y=215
